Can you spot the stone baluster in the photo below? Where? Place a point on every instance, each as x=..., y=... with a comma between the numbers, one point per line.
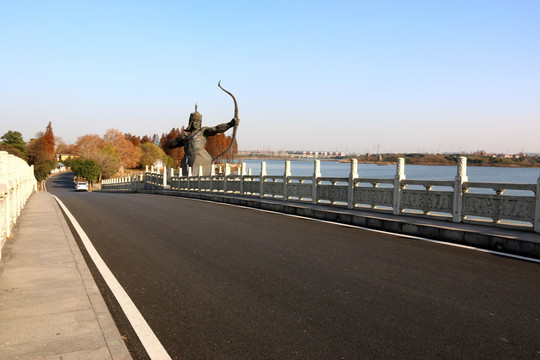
x=353, y=174
x=212, y=174
x=164, y=184
x=261, y=179
x=316, y=175
x=34, y=182
x=461, y=178
x=180, y=175
x=537, y=210
x=199, y=178
x=242, y=174
x=4, y=187
x=144, y=180
x=398, y=189
x=225, y=177
x=286, y=175
x=16, y=175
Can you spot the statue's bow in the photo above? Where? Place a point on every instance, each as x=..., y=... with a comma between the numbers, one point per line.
x=235, y=125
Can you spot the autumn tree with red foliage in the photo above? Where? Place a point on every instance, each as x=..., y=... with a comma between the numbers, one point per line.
x=176, y=154
x=135, y=140
x=36, y=151
x=63, y=148
x=217, y=144
x=41, y=153
x=129, y=155
x=48, y=142
x=87, y=145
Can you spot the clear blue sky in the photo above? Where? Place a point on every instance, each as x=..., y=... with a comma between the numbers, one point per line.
x=412, y=76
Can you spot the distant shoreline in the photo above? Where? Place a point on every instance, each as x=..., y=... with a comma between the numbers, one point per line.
x=471, y=161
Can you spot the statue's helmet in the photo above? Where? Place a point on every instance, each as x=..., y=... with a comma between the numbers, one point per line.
x=194, y=117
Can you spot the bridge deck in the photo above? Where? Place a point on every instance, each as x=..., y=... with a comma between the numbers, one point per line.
x=498, y=238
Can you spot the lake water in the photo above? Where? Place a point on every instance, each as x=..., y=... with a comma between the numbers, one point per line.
x=412, y=172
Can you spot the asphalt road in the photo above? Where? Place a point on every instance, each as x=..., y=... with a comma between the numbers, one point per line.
x=223, y=282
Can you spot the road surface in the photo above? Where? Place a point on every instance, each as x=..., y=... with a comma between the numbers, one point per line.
x=222, y=282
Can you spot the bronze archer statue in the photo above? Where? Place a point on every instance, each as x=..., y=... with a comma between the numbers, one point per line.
x=195, y=141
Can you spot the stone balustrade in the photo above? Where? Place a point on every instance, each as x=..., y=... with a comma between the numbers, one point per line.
x=455, y=200
x=17, y=183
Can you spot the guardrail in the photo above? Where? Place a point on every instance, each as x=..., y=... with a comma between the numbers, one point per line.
x=455, y=200
x=17, y=183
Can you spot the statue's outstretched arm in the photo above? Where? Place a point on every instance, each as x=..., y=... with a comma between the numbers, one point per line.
x=211, y=131
x=178, y=142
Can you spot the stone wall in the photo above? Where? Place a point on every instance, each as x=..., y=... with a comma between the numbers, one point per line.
x=17, y=182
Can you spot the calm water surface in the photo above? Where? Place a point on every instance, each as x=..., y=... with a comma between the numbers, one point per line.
x=416, y=172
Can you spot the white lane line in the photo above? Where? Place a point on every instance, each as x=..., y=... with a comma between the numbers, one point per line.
x=153, y=346
x=468, y=247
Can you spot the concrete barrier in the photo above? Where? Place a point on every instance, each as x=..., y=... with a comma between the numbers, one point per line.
x=17, y=183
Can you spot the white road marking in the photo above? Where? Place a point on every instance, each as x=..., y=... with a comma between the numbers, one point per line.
x=151, y=343
x=468, y=247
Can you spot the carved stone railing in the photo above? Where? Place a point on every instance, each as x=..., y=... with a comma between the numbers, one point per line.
x=455, y=200
x=17, y=183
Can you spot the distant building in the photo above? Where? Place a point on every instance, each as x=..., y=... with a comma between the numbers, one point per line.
x=64, y=157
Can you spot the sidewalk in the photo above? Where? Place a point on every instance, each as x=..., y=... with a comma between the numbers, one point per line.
x=50, y=306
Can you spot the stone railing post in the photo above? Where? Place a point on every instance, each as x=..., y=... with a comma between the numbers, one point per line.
x=145, y=180
x=34, y=183
x=225, y=176
x=353, y=174
x=537, y=210
x=286, y=175
x=263, y=174
x=242, y=174
x=5, y=188
x=461, y=177
x=199, y=178
x=164, y=177
x=212, y=174
x=316, y=175
x=398, y=190
x=179, y=176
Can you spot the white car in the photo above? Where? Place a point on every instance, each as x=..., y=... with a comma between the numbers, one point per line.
x=81, y=186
